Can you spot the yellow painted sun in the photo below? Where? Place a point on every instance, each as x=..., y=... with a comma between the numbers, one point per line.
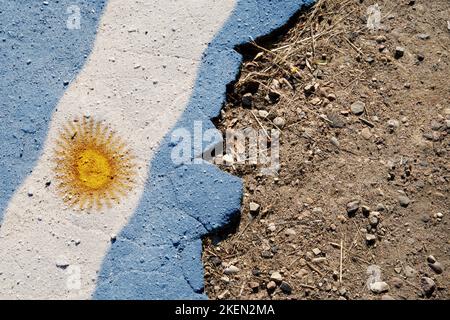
x=94, y=168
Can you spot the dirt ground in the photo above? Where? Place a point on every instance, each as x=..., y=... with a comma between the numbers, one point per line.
x=360, y=209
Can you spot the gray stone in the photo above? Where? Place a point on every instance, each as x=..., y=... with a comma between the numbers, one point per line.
x=290, y=232
x=393, y=125
x=404, y=201
x=335, y=142
x=231, y=270
x=374, y=218
x=247, y=100
x=276, y=276
x=271, y=286
x=352, y=207
x=410, y=272
x=286, y=288
x=358, y=107
x=254, y=208
x=371, y=238
x=254, y=286
x=397, y=282
x=279, y=122
x=379, y=287
x=423, y=36
x=428, y=286
x=263, y=114
x=399, y=52
x=436, y=267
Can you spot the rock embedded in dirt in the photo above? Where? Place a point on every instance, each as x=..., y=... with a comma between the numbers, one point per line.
x=352, y=207
x=381, y=39
x=436, y=267
x=247, y=100
x=263, y=113
x=254, y=208
x=399, y=52
x=335, y=142
x=316, y=251
x=423, y=36
x=272, y=227
x=286, y=287
x=254, y=286
x=276, y=276
x=215, y=260
x=404, y=201
x=365, y=210
x=366, y=134
x=428, y=286
x=231, y=270
x=279, y=122
x=309, y=89
x=379, y=287
x=358, y=108
x=290, y=232
x=374, y=218
x=271, y=286
x=393, y=125
x=397, y=282
x=409, y=272
x=370, y=238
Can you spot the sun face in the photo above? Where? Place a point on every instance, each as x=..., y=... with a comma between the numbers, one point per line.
x=94, y=168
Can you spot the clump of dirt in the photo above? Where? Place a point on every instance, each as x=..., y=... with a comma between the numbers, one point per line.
x=360, y=208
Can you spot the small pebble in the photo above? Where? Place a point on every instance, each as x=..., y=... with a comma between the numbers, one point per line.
x=271, y=286
x=352, y=207
x=276, y=276
x=436, y=267
x=358, y=107
x=404, y=201
x=231, y=270
x=393, y=125
x=335, y=142
x=366, y=134
x=254, y=286
x=379, y=287
x=370, y=238
x=399, y=52
x=254, y=208
x=423, y=36
x=428, y=286
x=247, y=100
x=279, y=122
x=286, y=288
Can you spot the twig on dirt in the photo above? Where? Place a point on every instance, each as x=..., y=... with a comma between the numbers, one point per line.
x=260, y=124
x=314, y=268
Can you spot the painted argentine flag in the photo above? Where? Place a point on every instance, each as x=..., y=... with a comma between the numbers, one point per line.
x=91, y=204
